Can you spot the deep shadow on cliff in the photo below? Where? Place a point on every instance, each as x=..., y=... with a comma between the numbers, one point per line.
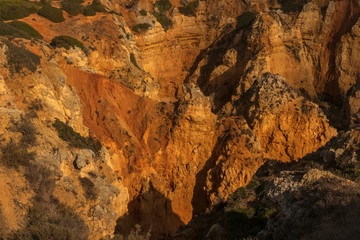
x=153, y=212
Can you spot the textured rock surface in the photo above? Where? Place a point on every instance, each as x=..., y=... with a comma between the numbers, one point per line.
x=287, y=124
x=184, y=112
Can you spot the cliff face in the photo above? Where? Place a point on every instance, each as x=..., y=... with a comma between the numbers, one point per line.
x=167, y=108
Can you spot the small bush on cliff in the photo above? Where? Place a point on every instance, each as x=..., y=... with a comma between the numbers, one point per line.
x=189, y=9
x=74, y=139
x=53, y=14
x=163, y=5
x=94, y=8
x=72, y=7
x=165, y=22
x=16, y=9
x=67, y=42
x=142, y=27
x=143, y=13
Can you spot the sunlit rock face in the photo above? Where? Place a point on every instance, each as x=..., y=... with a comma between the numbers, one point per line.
x=187, y=99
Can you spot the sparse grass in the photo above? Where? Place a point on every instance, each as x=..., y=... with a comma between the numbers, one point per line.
x=165, y=22
x=17, y=9
x=19, y=58
x=189, y=9
x=94, y=8
x=53, y=14
x=74, y=139
x=18, y=29
x=67, y=42
x=142, y=27
x=245, y=20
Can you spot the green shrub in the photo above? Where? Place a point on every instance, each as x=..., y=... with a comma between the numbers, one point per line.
x=18, y=30
x=74, y=139
x=163, y=5
x=53, y=14
x=19, y=58
x=142, y=27
x=16, y=9
x=67, y=42
x=143, y=13
x=165, y=22
x=94, y=8
x=72, y=7
x=133, y=60
x=245, y=20
x=189, y=9
x=29, y=31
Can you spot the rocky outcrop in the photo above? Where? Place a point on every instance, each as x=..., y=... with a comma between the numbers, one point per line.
x=287, y=124
x=182, y=107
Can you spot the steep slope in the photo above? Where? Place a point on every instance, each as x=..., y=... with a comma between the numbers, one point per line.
x=151, y=112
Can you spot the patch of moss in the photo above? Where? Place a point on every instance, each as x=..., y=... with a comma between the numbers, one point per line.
x=19, y=58
x=165, y=22
x=142, y=27
x=17, y=9
x=67, y=42
x=245, y=20
x=189, y=9
x=74, y=139
x=163, y=5
x=52, y=13
x=93, y=8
